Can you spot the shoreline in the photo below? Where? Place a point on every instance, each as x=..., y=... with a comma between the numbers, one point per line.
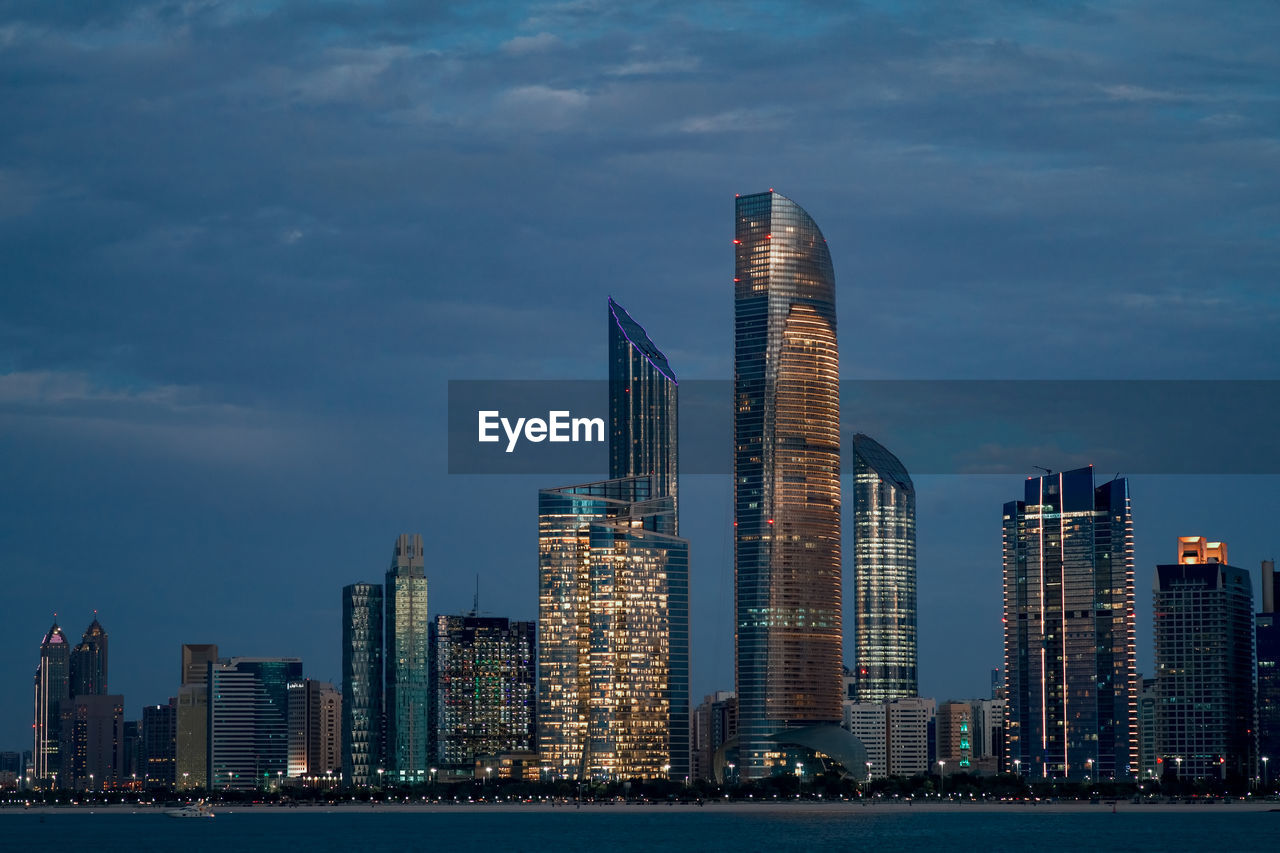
x=710, y=807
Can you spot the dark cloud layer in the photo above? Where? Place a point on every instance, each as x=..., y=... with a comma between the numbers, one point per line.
x=246, y=245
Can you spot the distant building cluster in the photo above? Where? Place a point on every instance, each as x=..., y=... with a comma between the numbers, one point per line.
x=597, y=688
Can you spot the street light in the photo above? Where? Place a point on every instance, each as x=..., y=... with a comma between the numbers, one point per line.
x=1265, y=759
x=1017, y=768
x=942, y=779
x=666, y=771
x=868, y=772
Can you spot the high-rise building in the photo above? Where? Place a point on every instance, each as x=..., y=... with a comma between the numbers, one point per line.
x=52, y=691
x=1206, y=723
x=714, y=723
x=92, y=742
x=643, y=408
x=132, y=760
x=613, y=589
x=362, y=683
x=896, y=733
x=988, y=735
x=192, y=717
x=884, y=574
x=315, y=730
x=89, y=662
x=160, y=745
x=407, y=679
x=612, y=608
x=1147, y=700
x=248, y=742
x=1069, y=628
x=786, y=479
x=482, y=694
x=955, y=735
x=1268, y=651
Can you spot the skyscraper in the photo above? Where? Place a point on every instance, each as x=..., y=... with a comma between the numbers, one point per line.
x=1206, y=725
x=248, y=738
x=613, y=589
x=1268, y=651
x=643, y=408
x=89, y=662
x=92, y=742
x=786, y=478
x=362, y=683
x=406, y=663
x=315, y=729
x=482, y=694
x=612, y=618
x=192, y=749
x=52, y=692
x=884, y=574
x=160, y=744
x=1069, y=628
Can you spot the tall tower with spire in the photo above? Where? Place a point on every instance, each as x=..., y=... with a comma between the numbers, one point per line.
x=52, y=691
x=89, y=661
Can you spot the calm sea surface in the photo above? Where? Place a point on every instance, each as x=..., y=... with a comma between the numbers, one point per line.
x=707, y=830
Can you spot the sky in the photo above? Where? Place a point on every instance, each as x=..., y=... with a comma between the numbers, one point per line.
x=246, y=245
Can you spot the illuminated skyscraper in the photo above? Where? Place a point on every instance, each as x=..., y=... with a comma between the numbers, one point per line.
x=89, y=662
x=1206, y=722
x=786, y=478
x=482, y=695
x=1069, y=628
x=643, y=407
x=407, y=678
x=192, y=718
x=248, y=740
x=613, y=589
x=53, y=691
x=884, y=574
x=1267, y=633
x=362, y=683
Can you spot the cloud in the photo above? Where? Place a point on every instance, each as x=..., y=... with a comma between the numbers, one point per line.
x=531, y=44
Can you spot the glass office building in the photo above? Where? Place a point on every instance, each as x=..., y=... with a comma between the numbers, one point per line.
x=1069, y=628
x=613, y=633
x=407, y=673
x=362, y=683
x=52, y=692
x=248, y=725
x=884, y=574
x=1206, y=721
x=613, y=589
x=643, y=406
x=89, y=662
x=482, y=693
x=786, y=478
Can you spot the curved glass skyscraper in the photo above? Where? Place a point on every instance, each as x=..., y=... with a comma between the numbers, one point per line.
x=884, y=574
x=786, y=478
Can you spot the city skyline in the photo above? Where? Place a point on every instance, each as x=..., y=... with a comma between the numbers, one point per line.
x=221, y=396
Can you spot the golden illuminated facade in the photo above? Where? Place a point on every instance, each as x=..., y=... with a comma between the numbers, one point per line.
x=613, y=589
x=786, y=478
x=884, y=574
x=612, y=613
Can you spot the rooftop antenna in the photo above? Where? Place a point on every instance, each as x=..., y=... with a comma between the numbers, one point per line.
x=475, y=602
x=1046, y=471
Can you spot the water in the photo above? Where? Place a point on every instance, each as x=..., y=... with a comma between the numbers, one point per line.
x=658, y=828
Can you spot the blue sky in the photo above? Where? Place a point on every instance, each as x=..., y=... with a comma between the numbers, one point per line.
x=246, y=245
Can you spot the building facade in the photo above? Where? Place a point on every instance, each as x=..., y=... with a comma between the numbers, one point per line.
x=315, y=730
x=192, y=717
x=786, y=479
x=1268, y=652
x=1069, y=628
x=160, y=745
x=612, y=615
x=92, y=742
x=884, y=574
x=1206, y=723
x=248, y=725
x=407, y=692
x=483, y=689
x=89, y=662
x=713, y=724
x=898, y=734
x=362, y=683
x=52, y=692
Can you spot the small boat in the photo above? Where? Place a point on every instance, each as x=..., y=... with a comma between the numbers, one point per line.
x=200, y=809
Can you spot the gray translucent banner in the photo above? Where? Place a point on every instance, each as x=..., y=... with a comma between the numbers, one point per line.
x=933, y=426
